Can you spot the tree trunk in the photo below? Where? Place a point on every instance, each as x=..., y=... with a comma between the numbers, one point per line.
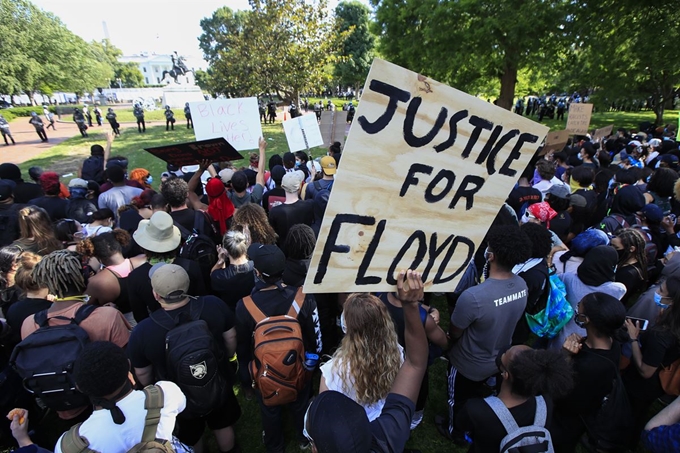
x=508, y=82
x=658, y=111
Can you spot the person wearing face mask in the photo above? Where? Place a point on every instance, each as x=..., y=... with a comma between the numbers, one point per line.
x=595, y=274
x=142, y=176
x=653, y=349
x=654, y=300
x=102, y=222
x=594, y=358
x=631, y=268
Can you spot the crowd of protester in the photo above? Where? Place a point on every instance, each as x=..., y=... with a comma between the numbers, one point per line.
x=168, y=289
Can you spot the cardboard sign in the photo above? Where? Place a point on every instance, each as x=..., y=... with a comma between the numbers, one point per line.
x=425, y=170
x=578, y=119
x=555, y=141
x=181, y=154
x=599, y=134
x=235, y=120
x=302, y=133
x=333, y=126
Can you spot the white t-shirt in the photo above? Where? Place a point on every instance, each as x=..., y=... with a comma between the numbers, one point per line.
x=334, y=382
x=543, y=185
x=105, y=436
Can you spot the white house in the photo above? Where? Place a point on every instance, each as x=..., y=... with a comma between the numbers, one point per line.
x=151, y=65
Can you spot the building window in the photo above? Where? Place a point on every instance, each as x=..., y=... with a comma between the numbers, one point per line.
x=144, y=68
x=147, y=80
x=158, y=80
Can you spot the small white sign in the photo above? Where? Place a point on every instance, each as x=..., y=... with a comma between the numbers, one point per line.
x=237, y=120
x=302, y=133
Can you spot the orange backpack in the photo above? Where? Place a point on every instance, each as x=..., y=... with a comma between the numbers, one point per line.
x=277, y=369
x=670, y=378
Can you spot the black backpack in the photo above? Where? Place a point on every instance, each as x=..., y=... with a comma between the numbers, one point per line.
x=198, y=244
x=93, y=169
x=193, y=359
x=45, y=359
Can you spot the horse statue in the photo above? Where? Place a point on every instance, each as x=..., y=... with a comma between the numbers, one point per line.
x=179, y=68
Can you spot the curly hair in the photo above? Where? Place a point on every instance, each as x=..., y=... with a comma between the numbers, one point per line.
x=175, y=192
x=541, y=372
x=143, y=199
x=105, y=245
x=631, y=237
x=663, y=182
x=300, y=242
x=24, y=276
x=368, y=358
x=60, y=272
x=545, y=169
x=36, y=229
x=540, y=238
x=253, y=217
x=509, y=245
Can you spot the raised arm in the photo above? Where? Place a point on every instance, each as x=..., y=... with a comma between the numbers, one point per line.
x=107, y=148
x=259, y=179
x=410, y=376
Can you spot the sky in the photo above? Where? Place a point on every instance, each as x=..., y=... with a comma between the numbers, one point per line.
x=137, y=26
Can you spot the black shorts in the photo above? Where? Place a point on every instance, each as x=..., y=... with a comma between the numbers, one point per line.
x=190, y=430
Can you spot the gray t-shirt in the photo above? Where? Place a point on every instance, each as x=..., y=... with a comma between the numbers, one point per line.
x=250, y=197
x=116, y=197
x=489, y=313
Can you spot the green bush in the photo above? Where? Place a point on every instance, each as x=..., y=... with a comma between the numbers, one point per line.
x=17, y=112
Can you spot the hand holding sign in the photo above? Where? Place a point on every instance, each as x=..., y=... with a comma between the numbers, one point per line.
x=302, y=133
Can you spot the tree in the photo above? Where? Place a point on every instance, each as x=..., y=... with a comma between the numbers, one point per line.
x=469, y=42
x=129, y=74
x=357, y=49
x=279, y=46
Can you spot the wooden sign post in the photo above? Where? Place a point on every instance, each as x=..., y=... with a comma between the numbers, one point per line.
x=425, y=170
x=578, y=119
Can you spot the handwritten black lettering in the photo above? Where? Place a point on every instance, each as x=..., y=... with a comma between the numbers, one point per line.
x=395, y=94
x=435, y=252
x=411, y=180
x=465, y=191
x=479, y=124
x=449, y=254
x=430, y=197
x=411, y=113
x=515, y=153
x=420, y=254
x=491, y=160
x=453, y=131
x=370, y=252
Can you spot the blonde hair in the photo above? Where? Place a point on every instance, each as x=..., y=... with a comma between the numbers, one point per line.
x=236, y=242
x=369, y=357
x=35, y=227
x=24, y=275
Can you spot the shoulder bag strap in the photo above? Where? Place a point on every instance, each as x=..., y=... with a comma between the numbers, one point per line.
x=72, y=442
x=502, y=413
x=541, y=412
x=83, y=312
x=153, y=405
x=296, y=305
x=40, y=318
x=254, y=311
x=163, y=319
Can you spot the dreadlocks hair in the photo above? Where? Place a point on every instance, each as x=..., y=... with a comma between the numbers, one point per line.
x=61, y=273
x=300, y=242
x=255, y=219
x=630, y=237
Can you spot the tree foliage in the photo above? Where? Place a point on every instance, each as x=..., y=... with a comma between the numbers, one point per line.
x=357, y=49
x=278, y=46
x=128, y=73
x=38, y=52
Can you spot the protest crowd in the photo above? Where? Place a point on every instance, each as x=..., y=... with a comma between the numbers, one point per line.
x=134, y=305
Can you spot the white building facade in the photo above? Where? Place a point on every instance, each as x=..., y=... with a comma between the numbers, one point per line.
x=151, y=66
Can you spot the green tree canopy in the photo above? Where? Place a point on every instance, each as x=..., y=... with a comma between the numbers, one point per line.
x=357, y=49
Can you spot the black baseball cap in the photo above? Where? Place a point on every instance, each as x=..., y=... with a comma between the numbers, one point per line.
x=6, y=188
x=269, y=260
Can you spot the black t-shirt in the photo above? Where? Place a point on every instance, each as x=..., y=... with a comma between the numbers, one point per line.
x=659, y=349
x=520, y=195
x=141, y=293
x=273, y=198
x=561, y=225
x=631, y=276
x=233, y=282
x=57, y=208
x=25, y=191
x=184, y=217
x=391, y=429
x=479, y=420
x=147, y=341
x=22, y=309
x=284, y=216
x=129, y=220
x=9, y=223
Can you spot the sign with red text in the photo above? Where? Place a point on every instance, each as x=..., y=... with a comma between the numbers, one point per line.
x=424, y=172
x=578, y=118
x=182, y=154
x=235, y=120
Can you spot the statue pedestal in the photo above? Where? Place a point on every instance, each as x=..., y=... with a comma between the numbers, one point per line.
x=177, y=95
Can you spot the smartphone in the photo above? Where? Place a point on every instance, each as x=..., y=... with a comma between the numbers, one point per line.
x=643, y=323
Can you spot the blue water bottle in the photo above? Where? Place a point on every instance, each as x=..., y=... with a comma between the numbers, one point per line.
x=310, y=361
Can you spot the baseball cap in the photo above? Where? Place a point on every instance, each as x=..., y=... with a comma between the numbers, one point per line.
x=578, y=201
x=337, y=424
x=328, y=165
x=225, y=175
x=653, y=213
x=269, y=260
x=559, y=190
x=6, y=188
x=77, y=182
x=291, y=181
x=170, y=282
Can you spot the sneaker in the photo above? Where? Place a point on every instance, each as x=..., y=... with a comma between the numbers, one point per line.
x=457, y=437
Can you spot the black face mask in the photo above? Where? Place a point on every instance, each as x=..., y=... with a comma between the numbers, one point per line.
x=499, y=356
x=621, y=253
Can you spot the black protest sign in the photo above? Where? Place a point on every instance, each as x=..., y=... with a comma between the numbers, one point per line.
x=181, y=154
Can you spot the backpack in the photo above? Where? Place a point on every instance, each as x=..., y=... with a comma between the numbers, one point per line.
x=72, y=442
x=93, y=169
x=550, y=320
x=193, y=360
x=45, y=359
x=199, y=244
x=528, y=439
x=610, y=428
x=670, y=378
x=277, y=369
